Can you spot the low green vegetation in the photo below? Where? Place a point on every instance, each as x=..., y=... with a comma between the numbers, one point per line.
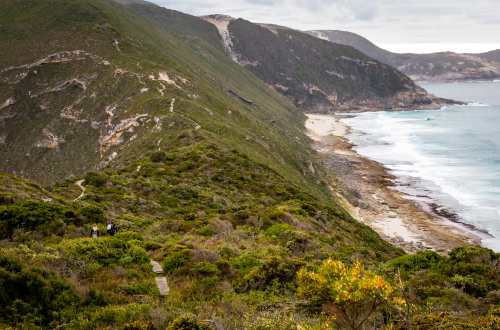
x=231, y=235
x=236, y=241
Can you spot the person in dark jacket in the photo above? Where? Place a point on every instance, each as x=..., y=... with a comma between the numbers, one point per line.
x=94, y=232
x=111, y=228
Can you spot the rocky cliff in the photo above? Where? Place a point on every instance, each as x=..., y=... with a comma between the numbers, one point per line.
x=316, y=75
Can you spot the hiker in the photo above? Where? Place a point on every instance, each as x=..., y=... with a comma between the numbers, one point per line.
x=111, y=228
x=94, y=232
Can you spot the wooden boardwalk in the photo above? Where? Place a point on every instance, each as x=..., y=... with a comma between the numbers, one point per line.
x=161, y=282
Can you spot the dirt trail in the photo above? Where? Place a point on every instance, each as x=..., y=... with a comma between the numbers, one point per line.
x=79, y=184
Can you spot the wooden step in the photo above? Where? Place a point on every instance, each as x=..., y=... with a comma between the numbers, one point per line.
x=161, y=283
x=156, y=267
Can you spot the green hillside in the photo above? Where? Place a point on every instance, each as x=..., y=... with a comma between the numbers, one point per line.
x=231, y=236
x=225, y=229
x=316, y=75
x=92, y=84
x=179, y=23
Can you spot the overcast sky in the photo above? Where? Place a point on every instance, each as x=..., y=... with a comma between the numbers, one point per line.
x=467, y=25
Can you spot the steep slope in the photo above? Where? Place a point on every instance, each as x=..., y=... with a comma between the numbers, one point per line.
x=230, y=234
x=316, y=75
x=88, y=85
x=332, y=78
x=354, y=40
x=176, y=22
x=438, y=67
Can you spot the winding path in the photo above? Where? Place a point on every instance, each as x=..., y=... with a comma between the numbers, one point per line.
x=79, y=184
x=161, y=282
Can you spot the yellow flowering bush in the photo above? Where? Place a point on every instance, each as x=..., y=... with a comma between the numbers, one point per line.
x=349, y=294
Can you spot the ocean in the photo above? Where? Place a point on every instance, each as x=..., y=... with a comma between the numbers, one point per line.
x=447, y=160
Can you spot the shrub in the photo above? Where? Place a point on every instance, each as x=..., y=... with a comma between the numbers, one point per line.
x=95, y=298
x=187, y=165
x=205, y=268
x=446, y=321
x=158, y=156
x=245, y=263
x=227, y=252
x=189, y=216
x=29, y=215
x=219, y=176
x=129, y=235
x=209, y=283
x=187, y=323
x=268, y=321
x=274, y=214
x=277, y=229
x=33, y=294
x=270, y=274
x=105, y=251
x=137, y=325
x=141, y=288
x=352, y=293
x=96, y=179
x=472, y=254
x=176, y=260
x=92, y=214
x=137, y=254
x=150, y=245
x=242, y=215
x=415, y=262
x=224, y=268
x=205, y=231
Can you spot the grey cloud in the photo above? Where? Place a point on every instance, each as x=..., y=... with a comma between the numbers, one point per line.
x=268, y=3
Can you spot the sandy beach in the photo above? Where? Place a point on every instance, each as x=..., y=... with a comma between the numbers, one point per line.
x=363, y=187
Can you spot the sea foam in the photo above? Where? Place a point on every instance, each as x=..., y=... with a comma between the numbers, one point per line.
x=449, y=158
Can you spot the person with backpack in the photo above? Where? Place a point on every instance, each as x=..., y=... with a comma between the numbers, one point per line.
x=111, y=228
x=94, y=232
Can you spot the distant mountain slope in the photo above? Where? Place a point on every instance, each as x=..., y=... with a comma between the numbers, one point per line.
x=351, y=39
x=176, y=22
x=88, y=85
x=333, y=78
x=318, y=76
x=442, y=67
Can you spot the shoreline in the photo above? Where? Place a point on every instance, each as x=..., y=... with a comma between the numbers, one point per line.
x=365, y=189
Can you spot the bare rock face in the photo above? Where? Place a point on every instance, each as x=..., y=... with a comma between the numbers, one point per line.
x=222, y=22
